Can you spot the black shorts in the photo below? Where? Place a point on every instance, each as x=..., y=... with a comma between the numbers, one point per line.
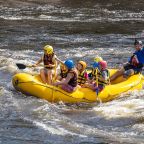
x=128, y=66
x=49, y=68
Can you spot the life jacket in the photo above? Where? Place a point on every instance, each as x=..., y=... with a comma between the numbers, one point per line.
x=134, y=61
x=137, y=58
x=48, y=59
x=94, y=73
x=81, y=78
x=140, y=56
x=106, y=82
x=73, y=80
x=63, y=73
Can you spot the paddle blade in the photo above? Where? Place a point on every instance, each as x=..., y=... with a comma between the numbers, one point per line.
x=21, y=66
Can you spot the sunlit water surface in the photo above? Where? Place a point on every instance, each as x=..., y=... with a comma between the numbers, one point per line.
x=77, y=30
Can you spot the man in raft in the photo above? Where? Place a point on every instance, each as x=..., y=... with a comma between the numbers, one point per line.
x=134, y=65
x=69, y=84
x=49, y=60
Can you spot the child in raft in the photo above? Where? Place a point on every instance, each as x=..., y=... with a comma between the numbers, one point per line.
x=100, y=78
x=82, y=73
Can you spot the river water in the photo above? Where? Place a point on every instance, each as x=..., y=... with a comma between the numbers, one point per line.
x=79, y=30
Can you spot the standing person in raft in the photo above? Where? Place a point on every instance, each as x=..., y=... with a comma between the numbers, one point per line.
x=69, y=84
x=134, y=65
x=101, y=77
x=49, y=60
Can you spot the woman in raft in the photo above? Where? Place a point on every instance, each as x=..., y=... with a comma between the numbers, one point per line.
x=49, y=60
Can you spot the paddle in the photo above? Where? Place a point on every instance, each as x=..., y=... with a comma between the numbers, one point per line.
x=55, y=72
x=59, y=60
x=22, y=66
x=96, y=66
x=54, y=78
x=97, y=90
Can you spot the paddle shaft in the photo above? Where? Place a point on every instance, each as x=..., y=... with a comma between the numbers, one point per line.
x=59, y=60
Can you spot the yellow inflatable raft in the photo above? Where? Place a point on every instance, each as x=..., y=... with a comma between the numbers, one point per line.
x=32, y=85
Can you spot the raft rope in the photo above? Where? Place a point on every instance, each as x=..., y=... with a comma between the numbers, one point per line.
x=72, y=96
x=53, y=89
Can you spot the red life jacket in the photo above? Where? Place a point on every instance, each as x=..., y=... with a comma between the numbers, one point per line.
x=134, y=60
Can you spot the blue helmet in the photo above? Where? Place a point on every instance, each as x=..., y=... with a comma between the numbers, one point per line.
x=95, y=65
x=69, y=63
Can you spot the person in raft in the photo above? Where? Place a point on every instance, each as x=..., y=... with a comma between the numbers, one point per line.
x=49, y=60
x=63, y=72
x=101, y=77
x=92, y=74
x=82, y=73
x=134, y=65
x=69, y=84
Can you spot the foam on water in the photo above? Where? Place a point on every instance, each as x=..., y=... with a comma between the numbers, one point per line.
x=52, y=13
x=79, y=33
x=128, y=106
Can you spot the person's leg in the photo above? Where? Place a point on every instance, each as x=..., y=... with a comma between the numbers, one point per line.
x=43, y=75
x=117, y=74
x=54, y=73
x=49, y=77
x=92, y=86
x=68, y=88
x=128, y=73
x=59, y=78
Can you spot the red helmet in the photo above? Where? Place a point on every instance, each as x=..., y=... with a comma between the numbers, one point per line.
x=103, y=64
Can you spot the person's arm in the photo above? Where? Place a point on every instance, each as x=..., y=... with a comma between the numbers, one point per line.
x=104, y=76
x=67, y=79
x=38, y=62
x=57, y=59
x=130, y=59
